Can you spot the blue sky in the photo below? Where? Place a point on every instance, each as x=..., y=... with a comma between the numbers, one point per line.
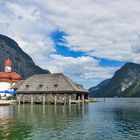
x=87, y=40
x=62, y=49
x=61, y=45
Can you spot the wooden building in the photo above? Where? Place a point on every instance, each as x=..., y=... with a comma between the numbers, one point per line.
x=51, y=89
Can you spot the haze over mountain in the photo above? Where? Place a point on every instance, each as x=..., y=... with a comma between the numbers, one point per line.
x=124, y=83
x=22, y=62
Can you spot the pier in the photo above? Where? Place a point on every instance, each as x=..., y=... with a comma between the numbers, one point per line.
x=8, y=102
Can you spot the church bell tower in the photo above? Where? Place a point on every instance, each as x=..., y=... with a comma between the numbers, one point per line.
x=8, y=65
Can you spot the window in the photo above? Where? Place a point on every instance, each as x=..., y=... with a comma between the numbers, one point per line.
x=40, y=86
x=27, y=86
x=56, y=85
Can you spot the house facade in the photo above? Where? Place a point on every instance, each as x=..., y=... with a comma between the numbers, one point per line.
x=50, y=88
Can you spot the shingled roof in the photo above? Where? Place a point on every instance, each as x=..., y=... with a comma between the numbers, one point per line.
x=18, y=84
x=54, y=83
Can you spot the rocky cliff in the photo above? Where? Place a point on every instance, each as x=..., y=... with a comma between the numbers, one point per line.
x=121, y=84
x=22, y=63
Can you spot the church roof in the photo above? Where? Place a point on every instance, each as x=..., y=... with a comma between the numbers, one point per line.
x=19, y=83
x=9, y=76
x=53, y=83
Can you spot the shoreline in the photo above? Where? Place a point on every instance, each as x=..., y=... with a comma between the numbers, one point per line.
x=8, y=102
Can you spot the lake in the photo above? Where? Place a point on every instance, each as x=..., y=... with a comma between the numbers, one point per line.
x=109, y=119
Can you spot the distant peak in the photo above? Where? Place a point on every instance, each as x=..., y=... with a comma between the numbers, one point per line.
x=130, y=64
x=4, y=36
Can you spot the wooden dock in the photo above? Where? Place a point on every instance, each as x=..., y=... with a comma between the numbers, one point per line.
x=55, y=102
x=8, y=102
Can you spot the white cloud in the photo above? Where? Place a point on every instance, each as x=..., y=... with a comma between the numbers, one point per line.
x=104, y=29
x=30, y=13
x=83, y=69
x=98, y=28
x=23, y=23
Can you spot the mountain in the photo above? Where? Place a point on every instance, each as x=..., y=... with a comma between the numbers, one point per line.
x=120, y=84
x=133, y=90
x=22, y=63
x=95, y=90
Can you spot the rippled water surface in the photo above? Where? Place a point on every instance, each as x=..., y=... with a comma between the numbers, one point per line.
x=112, y=119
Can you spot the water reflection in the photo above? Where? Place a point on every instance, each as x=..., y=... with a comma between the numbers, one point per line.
x=27, y=121
x=10, y=128
x=127, y=121
x=116, y=119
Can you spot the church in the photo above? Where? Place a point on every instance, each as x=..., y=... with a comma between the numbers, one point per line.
x=8, y=79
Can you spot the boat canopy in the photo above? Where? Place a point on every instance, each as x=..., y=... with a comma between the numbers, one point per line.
x=12, y=92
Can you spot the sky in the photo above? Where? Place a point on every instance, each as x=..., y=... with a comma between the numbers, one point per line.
x=87, y=40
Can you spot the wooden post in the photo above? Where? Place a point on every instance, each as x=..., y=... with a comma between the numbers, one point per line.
x=32, y=99
x=55, y=99
x=51, y=99
x=83, y=98
x=79, y=99
x=18, y=100
x=44, y=99
x=64, y=100
x=23, y=99
x=48, y=98
x=69, y=100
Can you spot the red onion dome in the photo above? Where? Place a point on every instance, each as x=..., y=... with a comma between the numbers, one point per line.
x=8, y=62
x=4, y=75
x=10, y=76
x=15, y=76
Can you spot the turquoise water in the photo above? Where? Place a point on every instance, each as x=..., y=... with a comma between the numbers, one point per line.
x=112, y=119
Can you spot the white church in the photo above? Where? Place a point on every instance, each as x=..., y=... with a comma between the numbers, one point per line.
x=8, y=79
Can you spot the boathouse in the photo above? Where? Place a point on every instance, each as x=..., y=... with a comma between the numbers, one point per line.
x=50, y=88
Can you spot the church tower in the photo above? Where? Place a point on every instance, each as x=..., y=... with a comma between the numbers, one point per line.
x=7, y=65
x=8, y=79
